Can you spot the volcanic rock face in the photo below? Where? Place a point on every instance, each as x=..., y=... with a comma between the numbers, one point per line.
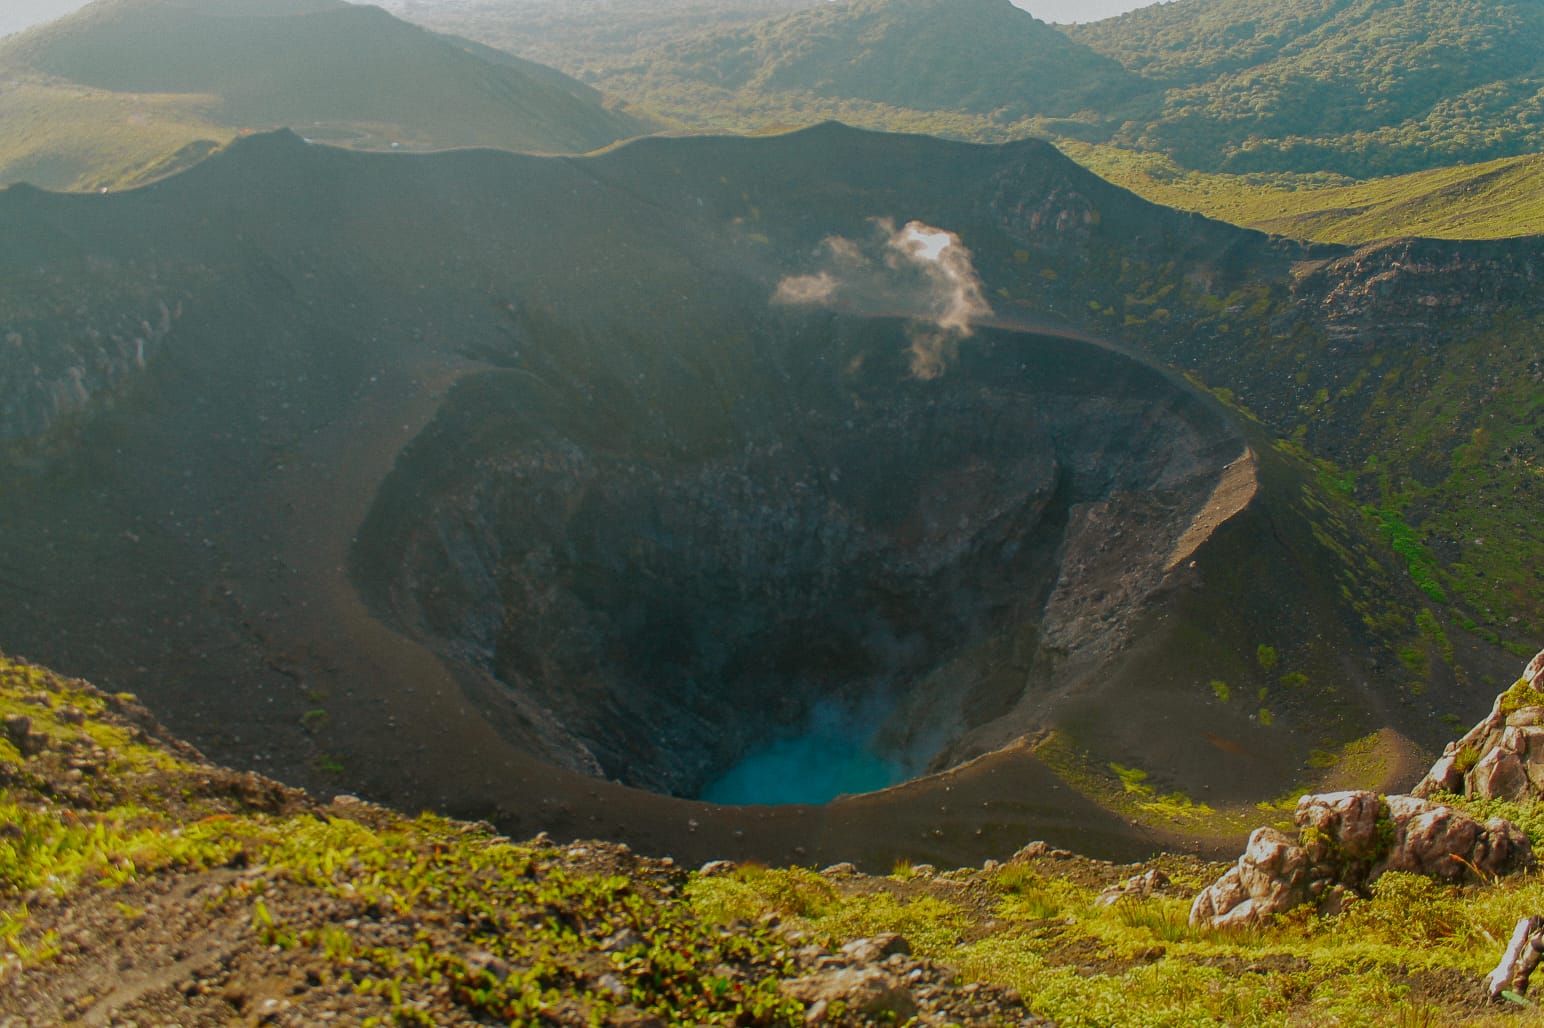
x=855, y=545
x=1346, y=841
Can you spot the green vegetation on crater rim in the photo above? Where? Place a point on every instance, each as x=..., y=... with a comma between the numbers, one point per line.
x=346, y=909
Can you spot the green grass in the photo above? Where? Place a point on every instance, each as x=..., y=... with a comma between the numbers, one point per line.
x=703, y=951
x=1495, y=200
x=527, y=907
x=63, y=136
x=1138, y=962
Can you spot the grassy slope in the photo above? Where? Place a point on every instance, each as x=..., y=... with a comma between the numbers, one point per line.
x=115, y=837
x=1361, y=87
x=1496, y=200
x=74, y=137
x=104, y=96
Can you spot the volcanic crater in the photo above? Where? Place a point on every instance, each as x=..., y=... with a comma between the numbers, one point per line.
x=573, y=537
x=668, y=586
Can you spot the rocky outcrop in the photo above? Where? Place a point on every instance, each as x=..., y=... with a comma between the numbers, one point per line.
x=53, y=366
x=1502, y=757
x=1345, y=841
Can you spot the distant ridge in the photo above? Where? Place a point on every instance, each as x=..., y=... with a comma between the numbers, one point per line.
x=331, y=70
x=973, y=55
x=1356, y=88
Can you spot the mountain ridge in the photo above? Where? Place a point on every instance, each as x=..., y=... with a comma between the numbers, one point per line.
x=1354, y=89
x=327, y=68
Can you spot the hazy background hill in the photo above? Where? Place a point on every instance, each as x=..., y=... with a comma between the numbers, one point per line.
x=984, y=57
x=572, y=34
x=1354, y=88
x=20, y=14
x=123, y=89
x=1264, y=113
x=1365, y=87
x=1239, y=110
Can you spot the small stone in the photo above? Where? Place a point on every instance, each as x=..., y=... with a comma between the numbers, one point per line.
x=714, y=868
x=622, y=941
x=875, y=948
x=1033, y=851
x=18, y=728
x=842, y=870
x=866, y=991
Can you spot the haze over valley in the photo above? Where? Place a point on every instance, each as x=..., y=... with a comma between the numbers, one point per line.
x=868, y=436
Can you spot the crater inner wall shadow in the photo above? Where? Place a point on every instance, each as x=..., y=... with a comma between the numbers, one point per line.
x=854, y=563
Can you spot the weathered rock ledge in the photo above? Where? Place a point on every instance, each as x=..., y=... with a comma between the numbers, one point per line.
x=1502, y=757
x=1347, y=840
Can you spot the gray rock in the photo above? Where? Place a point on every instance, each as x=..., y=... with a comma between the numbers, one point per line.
x=1444, y=776
x=1346, y=841
x=1525, y=716
x=864, y=990
x=1430, y=839
x=1482, y=751
x=875, y=948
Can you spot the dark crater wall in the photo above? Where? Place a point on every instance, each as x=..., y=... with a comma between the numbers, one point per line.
x=664, y=581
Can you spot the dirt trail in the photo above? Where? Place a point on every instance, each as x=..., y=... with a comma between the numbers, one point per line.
x=389, y=697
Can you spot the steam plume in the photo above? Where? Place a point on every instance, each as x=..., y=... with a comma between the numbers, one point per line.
x=918, y=271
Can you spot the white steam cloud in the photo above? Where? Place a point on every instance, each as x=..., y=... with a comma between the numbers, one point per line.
x=920, y=272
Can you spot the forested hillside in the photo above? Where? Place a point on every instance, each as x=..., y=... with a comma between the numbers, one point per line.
x=1366, y=87
x=1357, y=88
